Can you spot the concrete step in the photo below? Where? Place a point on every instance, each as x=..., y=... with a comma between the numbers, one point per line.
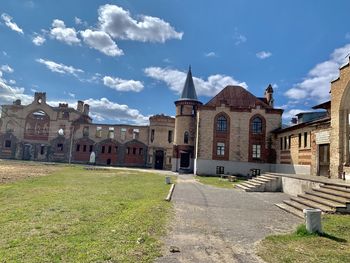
x=322, y=201
x=331, y=197
x=338, y=188
x=266, y=177
x=270, y=175
x=247, y=185
x=261, y=180
x=296, y=205
x=332, y=192
x=244, y=188
x=290, y=209
x=312, y=204
x=253, y=184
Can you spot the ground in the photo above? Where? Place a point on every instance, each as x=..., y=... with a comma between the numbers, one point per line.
x=79, y=215
x=217, y=181
x=222, y=225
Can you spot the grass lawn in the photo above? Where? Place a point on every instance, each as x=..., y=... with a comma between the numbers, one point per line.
x=217, y=181
x=331, y=247
x=75, y=215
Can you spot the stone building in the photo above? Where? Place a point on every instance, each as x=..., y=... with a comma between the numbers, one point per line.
x=40, y=132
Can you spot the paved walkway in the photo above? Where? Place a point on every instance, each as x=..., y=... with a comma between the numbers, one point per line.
x=221, y=225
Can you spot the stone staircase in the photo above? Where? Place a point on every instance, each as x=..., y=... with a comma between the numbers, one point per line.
x=262, y=183
x=329, y=197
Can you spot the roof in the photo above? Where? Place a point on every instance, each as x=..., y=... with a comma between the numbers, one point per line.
x=325, y=105
x=238, y=97
x=189, y=91
x=303, y=124
x=269, y=89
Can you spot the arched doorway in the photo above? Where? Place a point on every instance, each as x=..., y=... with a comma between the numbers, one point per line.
x=159, y=160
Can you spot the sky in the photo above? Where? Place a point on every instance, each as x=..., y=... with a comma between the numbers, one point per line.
x=129, y=59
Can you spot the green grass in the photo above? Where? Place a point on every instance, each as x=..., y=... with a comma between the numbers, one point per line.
x=76, y=215
x=300, y=246
x=216, y=181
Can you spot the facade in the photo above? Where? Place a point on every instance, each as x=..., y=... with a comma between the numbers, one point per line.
x=40, y=132
x=232, y=133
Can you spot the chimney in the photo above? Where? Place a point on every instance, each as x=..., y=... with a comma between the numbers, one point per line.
x=269, y=95
x=80, y=106
x=86, y=109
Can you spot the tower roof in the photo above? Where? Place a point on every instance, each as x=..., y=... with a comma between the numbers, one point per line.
x=189, y=91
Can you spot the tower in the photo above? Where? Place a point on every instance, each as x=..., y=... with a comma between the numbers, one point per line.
x=269, y=95
x=185, y=127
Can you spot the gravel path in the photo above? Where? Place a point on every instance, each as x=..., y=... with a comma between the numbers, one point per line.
x=221, y=225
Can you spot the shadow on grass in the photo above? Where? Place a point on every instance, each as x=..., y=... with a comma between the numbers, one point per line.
x=302, y=232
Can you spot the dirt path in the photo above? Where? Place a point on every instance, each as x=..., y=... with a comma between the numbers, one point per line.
x=221, y=225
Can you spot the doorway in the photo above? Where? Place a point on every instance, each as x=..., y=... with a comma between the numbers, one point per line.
x=323, y=160
x=184, y=160
x=159, y=160
x=27, y=152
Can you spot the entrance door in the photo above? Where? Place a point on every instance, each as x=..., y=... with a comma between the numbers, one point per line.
x=27, y=152
x=184, y=160
x=159, y=160
x=323, y=160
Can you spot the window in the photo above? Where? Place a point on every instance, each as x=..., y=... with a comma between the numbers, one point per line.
x=140, y=151
x=90, y=148
x=169, y=160
x=7, y=144
x=65, y=115
x=103, y=149
x=111, y=133
x=256, y=151
x=220, y=149
x=186, y=137
x=194, y=112
x=305, y=139
x=78, y=148
x=285, y=142
x=135, y=134
x=221, y=124
x=42, y=149
x=84, y=148
x=122, y=133
x=181, y=109
x=170, y=136
x=299, y=141
x=281, y=143
x=60, y=147
x=98, y=132
x=128, y=150
x=133, y=150
x=152, y=135
x=109, y=149
x=220, y=170
x=257, y=125
x=86, y=131
x=289, y=141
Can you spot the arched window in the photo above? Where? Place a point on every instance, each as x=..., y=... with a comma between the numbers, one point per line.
x=221, y=124
x=186, y=137
x=257, y=125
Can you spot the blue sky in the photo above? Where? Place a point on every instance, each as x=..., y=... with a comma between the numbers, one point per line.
x=128, y=59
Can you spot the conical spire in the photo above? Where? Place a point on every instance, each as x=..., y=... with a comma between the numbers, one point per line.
x=189, y=91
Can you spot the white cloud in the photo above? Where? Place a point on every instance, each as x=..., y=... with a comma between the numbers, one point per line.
x=263, y=54
x=38, y=40
x=72, y=95
x=7, y=69
x=239, y=38
x=175, y=80
x=122, y=84
x=118, y=23
x=210, y=54
x=104, y=109
x=288, y=115
x=62, y=33
x=10, y=24
x=101, y=41
x=8, y=93
x=60, y=68
x=316, y=85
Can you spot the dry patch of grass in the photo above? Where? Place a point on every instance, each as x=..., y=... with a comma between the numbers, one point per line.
x=332, y=246
x=11, y=171
x=217, y=181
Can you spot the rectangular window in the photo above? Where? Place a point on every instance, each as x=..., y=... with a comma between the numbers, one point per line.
x=299, y=140
x=281, y=143
x=133, y=150
x=60, y=147
x=42, y=149
x=7, y=144
x=135, y=134
x=98, y=132
x=78, y=148
x=285, y=143
x=152, y=135
x=128, y=150
x=305, y=139
x=220, y=149
x=140, y=151
x=103, y=149
x=109, y=149
x=86, y=131
x=90, y=148
x=169, y=160
x=123, y=133
x=84, y=148
x=111, y=133
x=170, y=136
x=220, y=170
x=289, y=141
x=256, y=151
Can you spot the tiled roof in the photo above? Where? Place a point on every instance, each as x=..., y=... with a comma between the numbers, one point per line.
x=238, y=97
x=189, y=91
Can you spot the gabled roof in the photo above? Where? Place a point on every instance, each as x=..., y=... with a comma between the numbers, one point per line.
x=238, y=97
x=189, y=91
